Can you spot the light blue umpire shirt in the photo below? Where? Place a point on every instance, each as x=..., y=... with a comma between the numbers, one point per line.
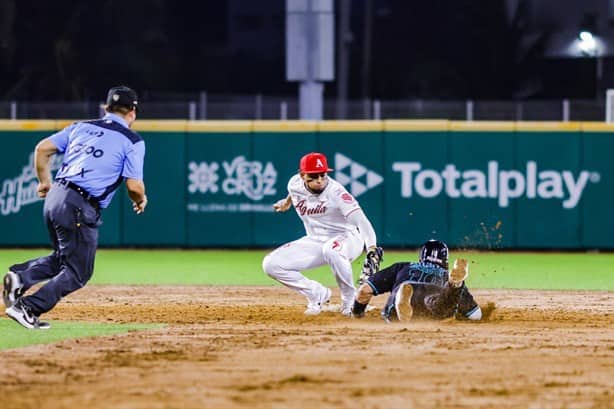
x=99, y=154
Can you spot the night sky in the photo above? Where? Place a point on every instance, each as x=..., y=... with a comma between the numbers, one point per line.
x=436, y=49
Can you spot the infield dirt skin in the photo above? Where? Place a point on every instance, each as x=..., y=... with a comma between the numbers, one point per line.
x=252, y=347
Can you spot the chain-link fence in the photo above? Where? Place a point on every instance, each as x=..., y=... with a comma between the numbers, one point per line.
x=205, y=106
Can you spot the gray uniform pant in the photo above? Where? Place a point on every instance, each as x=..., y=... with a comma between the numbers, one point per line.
x=72, y=223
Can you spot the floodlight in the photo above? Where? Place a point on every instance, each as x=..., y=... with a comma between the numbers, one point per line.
x=588, y=45
x=585, y=35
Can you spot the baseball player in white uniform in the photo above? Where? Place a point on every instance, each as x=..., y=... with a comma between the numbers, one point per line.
x=337, y=232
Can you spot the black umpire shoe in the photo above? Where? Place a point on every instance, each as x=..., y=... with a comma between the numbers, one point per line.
x=13, y=289
x=22, y=314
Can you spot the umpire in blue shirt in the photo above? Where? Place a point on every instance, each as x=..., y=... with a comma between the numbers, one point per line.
x=98, y=156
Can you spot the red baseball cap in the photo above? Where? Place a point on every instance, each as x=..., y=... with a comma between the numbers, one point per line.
x=314, y=162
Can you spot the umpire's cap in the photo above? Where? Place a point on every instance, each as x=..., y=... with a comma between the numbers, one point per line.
x=314, y=162
x=122, y=96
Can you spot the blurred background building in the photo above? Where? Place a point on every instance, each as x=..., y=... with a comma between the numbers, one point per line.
x=225, y=59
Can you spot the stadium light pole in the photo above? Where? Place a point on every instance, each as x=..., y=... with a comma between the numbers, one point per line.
x=310, y=52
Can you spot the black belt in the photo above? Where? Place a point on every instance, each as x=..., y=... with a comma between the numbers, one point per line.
x=91, y=199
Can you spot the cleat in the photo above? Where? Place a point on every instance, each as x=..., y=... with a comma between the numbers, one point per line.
x=459, y=273
x=22, y=314
x=12, y=289
x=347, y=303
x=346, y=308
x=402, y=302
x=315, y=306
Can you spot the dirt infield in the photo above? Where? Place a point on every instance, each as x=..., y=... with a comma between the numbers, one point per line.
x=251, y=347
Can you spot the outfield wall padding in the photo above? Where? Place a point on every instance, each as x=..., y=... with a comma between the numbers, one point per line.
x=528, y=185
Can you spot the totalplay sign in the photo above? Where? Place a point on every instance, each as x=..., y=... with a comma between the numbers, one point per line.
x=501, y=184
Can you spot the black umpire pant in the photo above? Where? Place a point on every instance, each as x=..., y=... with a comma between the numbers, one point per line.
x=72, y=223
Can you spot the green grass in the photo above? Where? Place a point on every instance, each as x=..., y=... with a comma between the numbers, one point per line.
x=514, y=270
x=544, y=271
x=518, y=270
x=16, y=336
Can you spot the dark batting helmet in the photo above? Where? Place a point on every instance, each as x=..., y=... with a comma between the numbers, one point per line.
x=436, y=252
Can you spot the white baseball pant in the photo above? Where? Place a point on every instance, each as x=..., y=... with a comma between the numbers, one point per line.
x=286, y=263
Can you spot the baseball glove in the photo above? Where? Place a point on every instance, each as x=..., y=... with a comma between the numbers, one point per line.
x=374, y=257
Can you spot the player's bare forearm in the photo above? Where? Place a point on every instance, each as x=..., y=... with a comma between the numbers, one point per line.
x=136, y=192
x=364, y=294
x=42, y=157
x=283, y=204
x=362, y=298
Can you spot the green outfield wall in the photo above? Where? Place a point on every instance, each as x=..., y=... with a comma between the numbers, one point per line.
x=530, y=185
